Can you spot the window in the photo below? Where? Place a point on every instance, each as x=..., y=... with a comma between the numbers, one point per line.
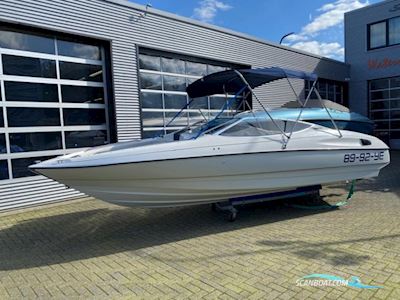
x=151, y=100
x=38, y=141
x=393, y=104
x=196, y=69
x=79, y=139
x=55, y=97
x=379, y=84
x=394, y=93
x=163, y=81
x=150, y=134
x=81, y=116
x=197, y=116
x=24, y=91
x=153, y=119
x=150, y=81
x=77, y=49
x=173, y=83
x=383, y=34
x=175, y=101
x=380, y=115
x=329, y=89
x=214, y=69
x=82, y=72
x=384, y=107
x=1, y=118
x=394, y=31
x=394, y=126
x=199, y=103
x=20, y=166
x=28, y=42
x=149, y=62
x=172, y=120
x=380, y=105
x=3, y=170
x=82, y=94
x=173, y=65
x=378, y=95
x=28, y=66
x=382, y=125
x=3, y=148
x=377, y=35
x=395, y=114
x=217, y=102
x=395, y=82
x=338, y=93
x=30, y=117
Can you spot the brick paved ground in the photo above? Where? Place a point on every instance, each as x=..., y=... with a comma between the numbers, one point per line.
x=90, y=249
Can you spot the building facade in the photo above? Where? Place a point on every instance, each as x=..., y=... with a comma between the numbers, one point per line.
x=372, y=49
x=80, y=73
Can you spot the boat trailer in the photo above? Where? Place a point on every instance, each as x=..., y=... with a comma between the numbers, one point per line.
x=313, y=192
x=229, y=207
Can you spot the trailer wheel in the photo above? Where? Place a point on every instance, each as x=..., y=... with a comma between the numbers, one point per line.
x=232, y=216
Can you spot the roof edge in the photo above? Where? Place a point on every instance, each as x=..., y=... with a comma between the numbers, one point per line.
x=385, y=2
x=168, y=15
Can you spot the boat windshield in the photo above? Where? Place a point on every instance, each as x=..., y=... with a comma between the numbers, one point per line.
x=262, y=127
x=200, y=128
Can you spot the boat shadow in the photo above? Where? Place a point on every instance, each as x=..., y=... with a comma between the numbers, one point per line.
x=93, y=233
x=327, y=251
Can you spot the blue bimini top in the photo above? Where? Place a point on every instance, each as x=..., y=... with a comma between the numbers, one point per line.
x=230, y=82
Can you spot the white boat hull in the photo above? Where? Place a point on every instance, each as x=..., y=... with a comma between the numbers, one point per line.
x=194, y=180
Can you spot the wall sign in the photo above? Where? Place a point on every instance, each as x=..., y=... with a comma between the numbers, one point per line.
x=383, y=63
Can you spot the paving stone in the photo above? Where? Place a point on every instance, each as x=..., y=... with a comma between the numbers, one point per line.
x=92, y=250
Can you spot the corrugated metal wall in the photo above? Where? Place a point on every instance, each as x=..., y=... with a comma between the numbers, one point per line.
x=33, y=191
x=114, y=21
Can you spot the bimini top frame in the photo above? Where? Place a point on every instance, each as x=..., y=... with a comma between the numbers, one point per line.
x=237, y=81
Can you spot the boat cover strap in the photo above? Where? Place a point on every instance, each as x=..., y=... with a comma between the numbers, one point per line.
x=230, y=82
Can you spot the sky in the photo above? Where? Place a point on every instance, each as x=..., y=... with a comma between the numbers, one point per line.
x=317, y=24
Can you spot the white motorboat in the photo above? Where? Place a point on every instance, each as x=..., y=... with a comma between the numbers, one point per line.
x=248, y=154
